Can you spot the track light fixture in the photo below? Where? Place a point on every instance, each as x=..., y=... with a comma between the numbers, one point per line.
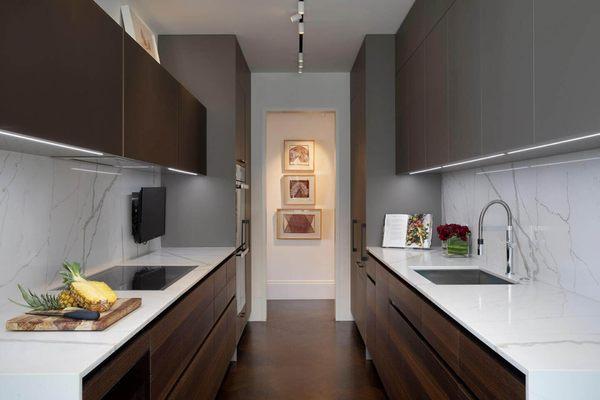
x=301, y=7
x=296, y=18
x=299, y=19
x=301, y=28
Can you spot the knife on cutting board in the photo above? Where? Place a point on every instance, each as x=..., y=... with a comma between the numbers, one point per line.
x=73, y=313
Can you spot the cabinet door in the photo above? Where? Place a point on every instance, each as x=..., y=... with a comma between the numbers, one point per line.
x=151, y=106
x=192, y=134
x=370, y=317
x=381, y=358
x=436, y=95
x=464, y=79
x=567, y=60
x=240, y=123
x=506, y=74
x=402, y=132
x=415, y=113
x=61, y=73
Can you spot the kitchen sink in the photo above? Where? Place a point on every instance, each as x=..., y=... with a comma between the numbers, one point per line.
x=461, y=277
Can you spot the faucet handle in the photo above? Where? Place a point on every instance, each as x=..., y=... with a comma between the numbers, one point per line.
x=479, y=246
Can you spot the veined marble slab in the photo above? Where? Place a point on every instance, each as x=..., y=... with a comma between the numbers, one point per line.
x=556, y=207
x=550, y=334
x=51, y=365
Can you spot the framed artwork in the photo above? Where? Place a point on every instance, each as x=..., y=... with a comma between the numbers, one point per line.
x=299, y=155
x=299, y=224
x=137, y=29
x=299, y=190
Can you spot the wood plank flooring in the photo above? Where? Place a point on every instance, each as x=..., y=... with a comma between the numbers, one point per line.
x=301, y=353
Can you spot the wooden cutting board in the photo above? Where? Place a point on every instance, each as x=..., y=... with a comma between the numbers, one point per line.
x=26, y=322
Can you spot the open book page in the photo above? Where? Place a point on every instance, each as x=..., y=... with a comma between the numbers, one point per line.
x=405, y=230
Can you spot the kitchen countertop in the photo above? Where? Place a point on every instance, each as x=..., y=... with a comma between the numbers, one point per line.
x=550, y=334
x=51, y=365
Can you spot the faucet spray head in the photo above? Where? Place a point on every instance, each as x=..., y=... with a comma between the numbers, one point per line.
x=479, y=246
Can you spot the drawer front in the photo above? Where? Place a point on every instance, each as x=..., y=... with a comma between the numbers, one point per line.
x=231, y=287
x=371, y=266
x=196, y=381
x=406, y=300
x=489, y=377
x=220, y=277
x=418, y=371
x=221, y=300
x=168, y=361
x=230, y=266
x=195, y=302
x=371, y=323
x=440, y=333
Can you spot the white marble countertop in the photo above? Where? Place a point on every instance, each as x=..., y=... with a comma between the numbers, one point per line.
x=50, y=365
x=550, y=334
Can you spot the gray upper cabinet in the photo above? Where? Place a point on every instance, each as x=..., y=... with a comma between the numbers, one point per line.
x=436, y=95
x=506, y=74
x=567, y=61
x=402, y=140
x=464, y=79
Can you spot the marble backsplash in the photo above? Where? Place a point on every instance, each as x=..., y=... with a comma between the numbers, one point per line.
x=52, y=210
x=556, y=206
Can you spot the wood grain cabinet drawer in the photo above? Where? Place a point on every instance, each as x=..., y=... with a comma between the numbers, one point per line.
x=231, y=289
x=220, y=277
x=440, y=333
x=486, y=374
x=371, y=267
x=230, y=266
x=406, y=300
x=420, y=372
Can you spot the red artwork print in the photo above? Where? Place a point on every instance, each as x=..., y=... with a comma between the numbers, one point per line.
x=299, y=189
x=299, y=223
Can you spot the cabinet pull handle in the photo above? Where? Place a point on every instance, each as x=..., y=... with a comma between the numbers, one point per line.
x=363, y=233
x=371, y=279
x=354, y=222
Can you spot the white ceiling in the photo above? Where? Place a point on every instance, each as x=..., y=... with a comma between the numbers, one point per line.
x=334, y=28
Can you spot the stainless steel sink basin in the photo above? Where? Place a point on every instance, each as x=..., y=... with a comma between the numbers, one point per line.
x=461, y=277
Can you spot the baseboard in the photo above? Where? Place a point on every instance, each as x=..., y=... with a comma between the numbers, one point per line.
x=300, y=290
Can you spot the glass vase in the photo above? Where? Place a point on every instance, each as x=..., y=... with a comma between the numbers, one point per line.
x=457, y=247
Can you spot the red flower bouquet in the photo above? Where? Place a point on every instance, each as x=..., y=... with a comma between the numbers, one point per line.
x=456, y=239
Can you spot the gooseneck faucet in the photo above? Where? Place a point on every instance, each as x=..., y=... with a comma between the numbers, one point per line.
x=509, y=233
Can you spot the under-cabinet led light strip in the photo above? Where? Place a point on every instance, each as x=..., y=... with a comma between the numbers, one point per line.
x=180, y=171
x=49, y=143
x=424, y=170
x=541, y=146
x=93, y=171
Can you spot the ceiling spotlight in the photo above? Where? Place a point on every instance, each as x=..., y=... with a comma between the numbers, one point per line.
x=296, y=18
x=300, y=58
x=301, y=7
x=300, y=66
x=301, y=28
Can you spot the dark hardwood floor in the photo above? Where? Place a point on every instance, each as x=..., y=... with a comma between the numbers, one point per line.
x=301, y=353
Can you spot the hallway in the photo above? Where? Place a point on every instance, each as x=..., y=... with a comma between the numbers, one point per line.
x=301, y=353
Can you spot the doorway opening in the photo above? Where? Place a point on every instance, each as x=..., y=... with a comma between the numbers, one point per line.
x=300, y=201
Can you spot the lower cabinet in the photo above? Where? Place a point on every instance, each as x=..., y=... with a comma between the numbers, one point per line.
x=184, y=354
x=420, y=352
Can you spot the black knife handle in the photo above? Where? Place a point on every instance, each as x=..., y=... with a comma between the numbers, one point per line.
x=82, y=314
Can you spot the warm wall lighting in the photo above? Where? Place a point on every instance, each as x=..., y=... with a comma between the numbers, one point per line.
x=541, y=146
x=180, y=171
x=49, y=143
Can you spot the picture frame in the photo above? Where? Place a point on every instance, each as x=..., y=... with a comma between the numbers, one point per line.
x=299, y=224
x=139, y=31
x=299, y=190
x=299, y=155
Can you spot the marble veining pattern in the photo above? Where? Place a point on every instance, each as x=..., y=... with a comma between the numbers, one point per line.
x=556, y=207
x=50, y=212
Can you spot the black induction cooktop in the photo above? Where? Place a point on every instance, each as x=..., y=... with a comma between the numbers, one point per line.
x=141, y=277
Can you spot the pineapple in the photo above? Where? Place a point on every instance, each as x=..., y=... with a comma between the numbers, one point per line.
x=66, y=299
x=91, y=295
x=43, y=302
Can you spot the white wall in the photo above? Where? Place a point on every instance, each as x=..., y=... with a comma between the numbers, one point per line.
x=556, y=209
x=305, y=92
x=301, y=269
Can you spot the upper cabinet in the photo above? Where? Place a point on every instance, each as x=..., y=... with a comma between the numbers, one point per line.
x=415, y=109
x=567, y=61
x=61, y=73
x=242, y=108
x=463, y=79
x=151, y=106
x=192, y=134
x=507, y=74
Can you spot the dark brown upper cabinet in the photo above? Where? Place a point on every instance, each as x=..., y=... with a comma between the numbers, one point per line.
x=415, y=114
x=61, y=73
x=192, y=135
x=242, y=107
x=437, y=132
x=507, y=74
x=464, y=84
x=151, y=106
